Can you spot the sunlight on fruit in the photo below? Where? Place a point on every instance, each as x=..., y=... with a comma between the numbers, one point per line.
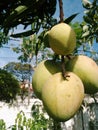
x=87, y=69
x=62, y=39
x=61, y=97
x=43, y=70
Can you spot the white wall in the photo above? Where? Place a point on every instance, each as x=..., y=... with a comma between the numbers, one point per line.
x=9, y=113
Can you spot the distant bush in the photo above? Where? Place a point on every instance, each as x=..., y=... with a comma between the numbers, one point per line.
x=9, y=86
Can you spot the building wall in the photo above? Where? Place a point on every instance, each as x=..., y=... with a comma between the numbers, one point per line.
x=85, y=119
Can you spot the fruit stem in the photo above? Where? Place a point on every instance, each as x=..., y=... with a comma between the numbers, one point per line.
x=61, y=10
x=63, y=67
x=61, y=20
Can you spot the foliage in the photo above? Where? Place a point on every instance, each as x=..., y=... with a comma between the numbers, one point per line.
x=3, y=38
x=84, y=45
x=90, y=25
x=78, y=30
x=37, y=14
x=18, y=66
x=2, y=125
x=19, y=70
x=9, y=86
x=38, y=121
x=13, y=13
x=27, y=48
x=33, y=47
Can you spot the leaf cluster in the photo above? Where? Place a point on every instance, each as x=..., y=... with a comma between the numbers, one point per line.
x=9, y=86
x=13, y=13
x=38, y=121
x=3, y=38
x=19, y=70
x=2, y=125
x=90, y=25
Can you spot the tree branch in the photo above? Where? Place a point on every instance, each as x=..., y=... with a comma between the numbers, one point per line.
x=61, y=10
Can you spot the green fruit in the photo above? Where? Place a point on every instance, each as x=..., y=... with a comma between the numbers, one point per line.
x=87, y=70
x=43, y=70
x=62, y=39
x=62, y=97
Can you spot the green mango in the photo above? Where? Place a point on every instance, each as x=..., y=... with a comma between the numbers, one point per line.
x=62, y=39
x=61, y=97
x=87, y=69
x=43, y=70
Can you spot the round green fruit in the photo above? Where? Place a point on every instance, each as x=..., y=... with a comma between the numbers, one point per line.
x=43, y=70
x=87, y=69
x=62, y=39
x=62, y=97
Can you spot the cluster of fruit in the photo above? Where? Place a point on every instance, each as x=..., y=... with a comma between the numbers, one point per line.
x=62, y=97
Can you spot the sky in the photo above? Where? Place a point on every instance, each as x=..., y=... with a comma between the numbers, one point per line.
x=69, y=7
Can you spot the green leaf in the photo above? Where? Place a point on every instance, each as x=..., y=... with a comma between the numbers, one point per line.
x=14, y=14
x=24, y=34
x=70, y=18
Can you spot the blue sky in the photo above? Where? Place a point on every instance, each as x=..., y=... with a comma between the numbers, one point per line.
x=69, y=7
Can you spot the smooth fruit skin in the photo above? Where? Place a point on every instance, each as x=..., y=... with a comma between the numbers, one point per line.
x=43, y=70
x=62, y=39
x=62, y=97
x=87, y=69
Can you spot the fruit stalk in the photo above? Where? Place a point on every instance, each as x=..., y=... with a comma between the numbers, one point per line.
x=61, y=20
x=63, y=67
x=61, y=10
x=57, y=125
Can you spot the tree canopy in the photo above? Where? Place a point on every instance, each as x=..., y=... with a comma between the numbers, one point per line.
x=90, y=27
x=31, y=12
x=9, y=86
x=19, y=70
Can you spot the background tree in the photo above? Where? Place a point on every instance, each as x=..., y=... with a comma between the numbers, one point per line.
x=3, y=38
x=90, y=28
x=19, y=70
x=9, y=86
x=90, y=25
